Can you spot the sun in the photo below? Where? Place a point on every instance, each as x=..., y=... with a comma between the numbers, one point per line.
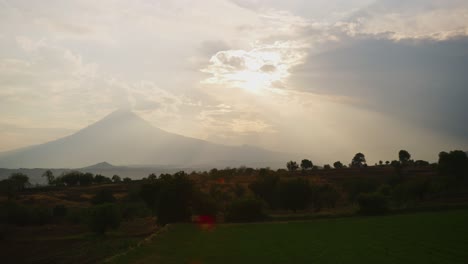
x=253, y=80
x=255, y=71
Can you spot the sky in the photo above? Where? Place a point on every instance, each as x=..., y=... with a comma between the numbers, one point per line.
x=324, y=78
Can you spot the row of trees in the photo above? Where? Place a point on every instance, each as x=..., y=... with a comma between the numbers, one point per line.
x=175, y=198
x=358, y=161
x=74, y=178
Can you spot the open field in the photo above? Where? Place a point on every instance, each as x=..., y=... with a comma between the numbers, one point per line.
x=435, y=237
x=69, y=243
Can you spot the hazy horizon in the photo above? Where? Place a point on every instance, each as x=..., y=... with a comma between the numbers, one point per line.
x=326, y=79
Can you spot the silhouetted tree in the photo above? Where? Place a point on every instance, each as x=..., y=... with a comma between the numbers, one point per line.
x=49, y=176
x=245, y=210
x=239, y=190
x=127, y=179
x=387, y=162
x=103, y=196
x=404, y=156
x=421, y=163
x=295, y=194
x=372, y=203
x=169, y=197
x=306, y=164
x=19, y=180
x=204, y=204
x=103, y=217
x=9, y=188
x=174, y=199
x=100, y=179
x=338, y=165
x=86, y=179
x=324, y=196
x=326, y=167
x=152, y=176
x=292, y=166
x=359, y=160
x=266, y=187
x=395, y=163
x=116, y=178
x=380, y=162
x=453, y=164
x=70, y=178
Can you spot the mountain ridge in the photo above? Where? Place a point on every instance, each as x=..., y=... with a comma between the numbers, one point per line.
x=122, y=137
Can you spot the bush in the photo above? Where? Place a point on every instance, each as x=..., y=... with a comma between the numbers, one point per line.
x=415, y=190
x=40, y=216
x=295, y=194
x=245, y=210
x=267, y=187
x=385, y=189
x=131, y=210
x=103, y=217
x=354, y=187
x=103, y=196
x=169, y=197
x=76, y=215
x=127, y=180
x=59, y=210
x=16, y=214
x=324, y=196
x=204, y=204
x=372, y=203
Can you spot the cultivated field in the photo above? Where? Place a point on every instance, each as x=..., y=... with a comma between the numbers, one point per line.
x=435, y=237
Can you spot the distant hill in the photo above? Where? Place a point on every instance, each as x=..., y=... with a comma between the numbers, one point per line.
x=124, y=138
x=102, y=165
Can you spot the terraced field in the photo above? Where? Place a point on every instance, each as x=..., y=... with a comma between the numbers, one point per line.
x=436, y=237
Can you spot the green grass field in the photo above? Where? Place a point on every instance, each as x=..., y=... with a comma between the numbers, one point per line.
x=436, y=237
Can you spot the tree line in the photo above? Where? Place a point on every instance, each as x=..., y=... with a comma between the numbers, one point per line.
x=180, y=196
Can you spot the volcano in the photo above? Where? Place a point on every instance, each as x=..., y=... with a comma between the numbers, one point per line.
x=124, y=138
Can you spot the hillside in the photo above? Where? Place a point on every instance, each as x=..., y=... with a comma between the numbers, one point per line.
x=124, y=138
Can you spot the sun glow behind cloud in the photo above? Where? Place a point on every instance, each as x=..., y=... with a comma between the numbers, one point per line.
x=263, y=67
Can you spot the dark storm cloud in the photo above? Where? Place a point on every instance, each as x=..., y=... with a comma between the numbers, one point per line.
x=423, y=81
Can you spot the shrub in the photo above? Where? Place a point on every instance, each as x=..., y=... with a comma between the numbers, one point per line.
x=127, y=180
x=40, y=216
x=372, y=203
x=77, y=215
x=172, y=206
x=324, y=196
x=133, y=210
x=16, y=214
x=267, y=187
x=59, y=210
x=169, y=197
x=245, y=210
x=385, y=189
x=100, y=179
x=204, y=204
x=103, y=217
x=354, y=187
x=295, y=194
x=239, y=190
x=103, y=196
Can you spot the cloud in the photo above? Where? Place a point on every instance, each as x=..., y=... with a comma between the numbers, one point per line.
x=434, y=19
x=71, y=91
x=266, y=66
x=421, y=81
x=227, y=124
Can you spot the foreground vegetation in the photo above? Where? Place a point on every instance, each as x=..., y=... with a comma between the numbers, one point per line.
x=101, y=207
x=437, y=237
